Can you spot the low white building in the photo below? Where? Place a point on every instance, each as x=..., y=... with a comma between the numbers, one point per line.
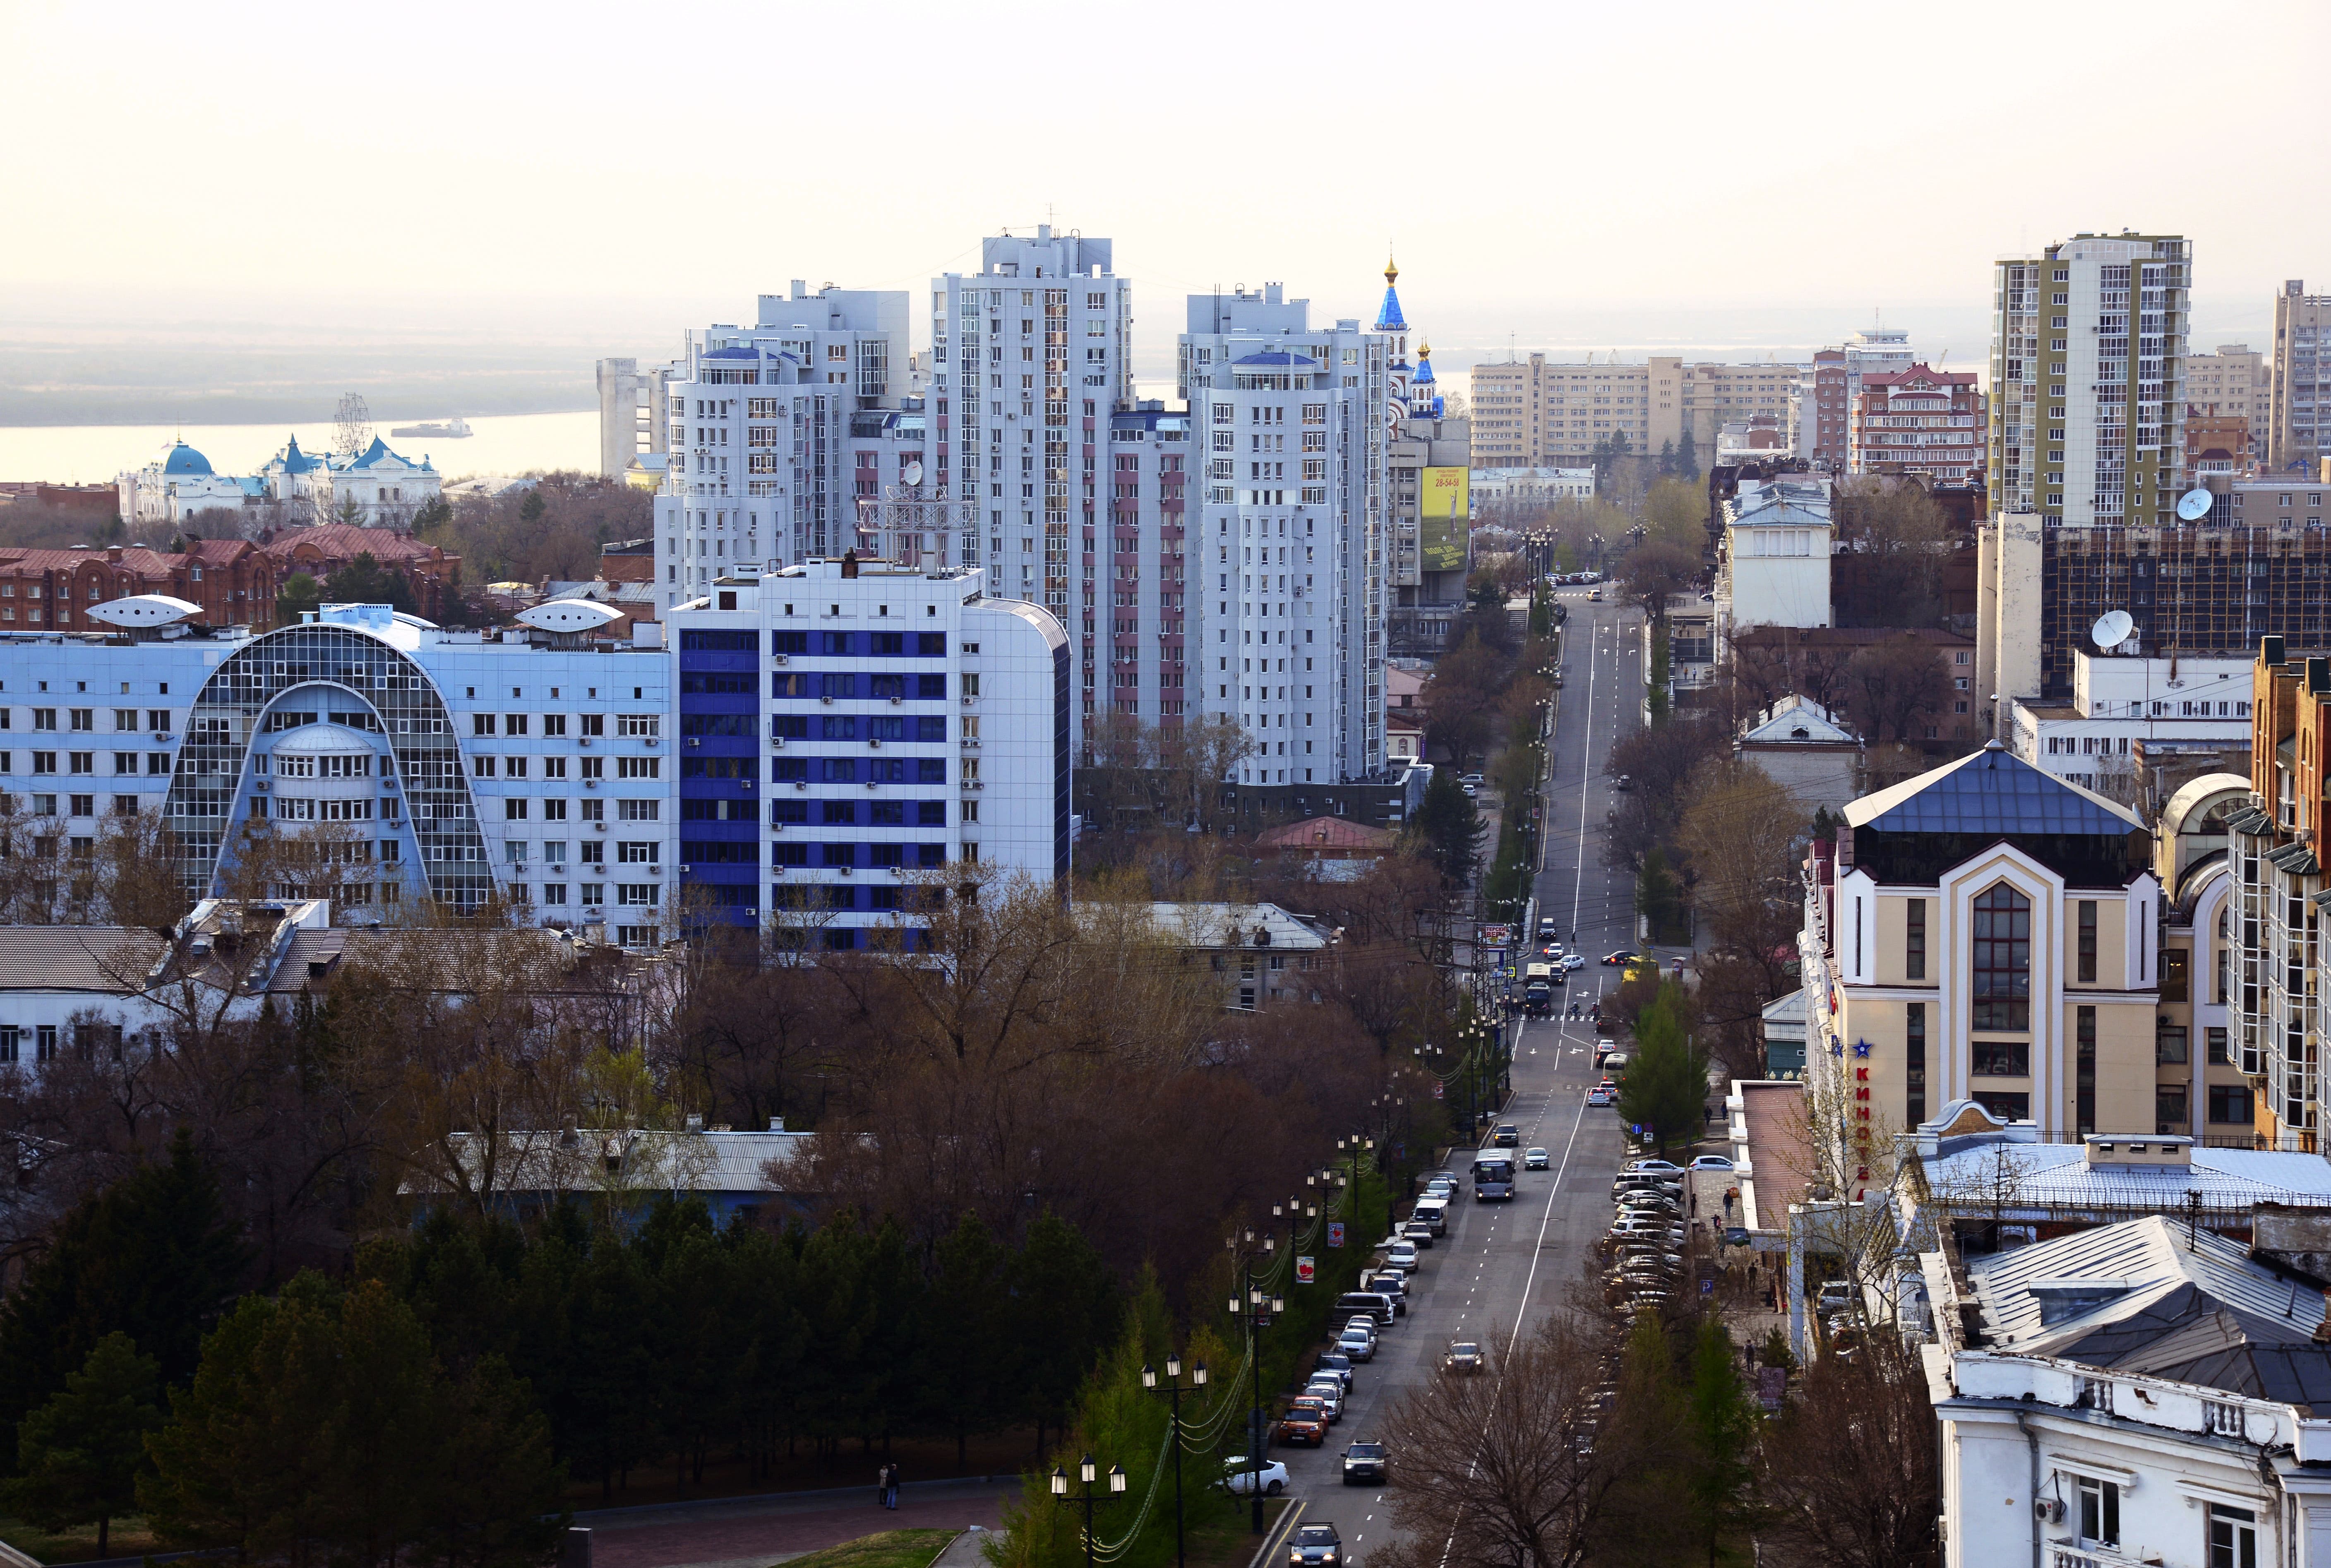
x=1264, y=953
x=1778, y=537
x=2138, y=1393
x=2122, y=703
x=1528, y=487
x=1805, y=750
x=382, y=485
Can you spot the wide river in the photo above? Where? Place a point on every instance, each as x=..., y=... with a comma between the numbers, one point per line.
x=513, y=443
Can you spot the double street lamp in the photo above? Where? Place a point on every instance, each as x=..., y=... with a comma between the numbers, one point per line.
x=1088, y=1499
x=1172, y=1390
x=1255, y=1308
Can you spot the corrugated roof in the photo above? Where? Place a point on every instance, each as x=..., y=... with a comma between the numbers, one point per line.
x=2169, y=1278
x=2059, y=1176
x=75, y=957
x=1991, y=791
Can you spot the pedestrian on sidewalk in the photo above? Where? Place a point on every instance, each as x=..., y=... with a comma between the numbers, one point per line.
x=882, y=1486
x=893, y=1498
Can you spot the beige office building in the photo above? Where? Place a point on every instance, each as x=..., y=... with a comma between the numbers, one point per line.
x=2295, y=438
x=1535, y=412
x=2233, y=384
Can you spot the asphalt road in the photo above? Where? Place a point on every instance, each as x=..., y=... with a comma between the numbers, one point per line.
x=1502, y=1267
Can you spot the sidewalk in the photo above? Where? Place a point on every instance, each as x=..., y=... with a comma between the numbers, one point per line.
x=754, y=1532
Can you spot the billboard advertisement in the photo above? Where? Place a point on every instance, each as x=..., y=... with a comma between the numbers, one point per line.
x=1445, y=504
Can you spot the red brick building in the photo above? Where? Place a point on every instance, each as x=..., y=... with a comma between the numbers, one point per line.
x=1821, y=422
x=324, y=549
x=51, y=590
x=1920, y=418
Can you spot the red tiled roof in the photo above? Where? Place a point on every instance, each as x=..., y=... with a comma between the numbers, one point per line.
x=336, y=541
x=1325, y=833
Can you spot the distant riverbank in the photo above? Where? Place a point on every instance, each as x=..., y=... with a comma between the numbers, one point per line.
x=513, y=443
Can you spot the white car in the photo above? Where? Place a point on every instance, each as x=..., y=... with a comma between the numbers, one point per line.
x=1240, y=1476
x=1711, y=1163
x=1329, y=1392
x=1358, y=1343
x=1402, y=1255
x=1574, y=961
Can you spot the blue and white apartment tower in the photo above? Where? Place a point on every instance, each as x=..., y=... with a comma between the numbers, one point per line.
x=447, y=765
x=846, y=723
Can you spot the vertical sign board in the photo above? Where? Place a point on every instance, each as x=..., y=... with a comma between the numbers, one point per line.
x=1335, y=1232
x=1444, y=516
x=1305, y=1271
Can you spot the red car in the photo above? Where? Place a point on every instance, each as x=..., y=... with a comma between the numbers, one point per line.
x=1306, y=1422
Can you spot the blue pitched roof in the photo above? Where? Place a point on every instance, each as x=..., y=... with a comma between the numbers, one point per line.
x=186, y=460
x=1274, y=358
x=734, y=351
x=1389, y=318
x=296, y=461
x=1991, y=791
x=374, y=454
x=1423, y=376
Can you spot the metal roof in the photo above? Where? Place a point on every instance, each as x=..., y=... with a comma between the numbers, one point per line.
x=1991, y=791
x=2059, y=1176
x=2165, y=1279
x=1273, y=358
x=110, y=959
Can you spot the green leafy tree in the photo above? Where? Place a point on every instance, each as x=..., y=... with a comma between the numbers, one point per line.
x=1722, y=1426
x=364, y=581
x=1659, y=898
x=295, y=595
x=1665, y=1087
x=1449, y=828
x=153, y=1256
x=78, y=1456
x=533, y=507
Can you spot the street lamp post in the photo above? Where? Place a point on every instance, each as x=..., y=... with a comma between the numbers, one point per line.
x=1174, y=1393
x=1358, y=1142
x=1088, y=1499
x=1255, y=1309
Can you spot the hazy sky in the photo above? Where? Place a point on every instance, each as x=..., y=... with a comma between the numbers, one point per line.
x=1615, y=173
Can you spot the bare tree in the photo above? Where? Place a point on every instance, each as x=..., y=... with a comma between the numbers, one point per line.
x=1505, y=1466
x=1847, y=1470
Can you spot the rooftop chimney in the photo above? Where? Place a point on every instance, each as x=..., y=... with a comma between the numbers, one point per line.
x=2318, y=676
x=2270, y=650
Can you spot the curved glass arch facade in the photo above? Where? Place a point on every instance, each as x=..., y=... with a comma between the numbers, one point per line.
x=214, y=758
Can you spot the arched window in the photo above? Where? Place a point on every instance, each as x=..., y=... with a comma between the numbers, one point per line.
x=2003, y=959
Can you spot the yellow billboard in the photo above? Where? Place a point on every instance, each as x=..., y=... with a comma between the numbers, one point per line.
x=1446, y=508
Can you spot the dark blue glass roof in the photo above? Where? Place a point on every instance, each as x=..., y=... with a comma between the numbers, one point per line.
x=1991, y=791
x=734, y=351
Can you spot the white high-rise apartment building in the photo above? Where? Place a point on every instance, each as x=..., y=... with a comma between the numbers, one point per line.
x=758, y=424
x=1029, y=358
x=1287, y=563
x=2089, y=384
x=2297, y=439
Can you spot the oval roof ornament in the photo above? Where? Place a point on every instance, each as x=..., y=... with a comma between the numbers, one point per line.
x=569, y=615
x=142, y=610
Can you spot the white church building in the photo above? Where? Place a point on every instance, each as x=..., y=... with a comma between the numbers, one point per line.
x=383, y=486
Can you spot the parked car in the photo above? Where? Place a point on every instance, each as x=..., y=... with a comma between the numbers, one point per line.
x=1306, y=1422
x=1335, y=1362
x=1533, y=1159
x=1401, y=1255
x=1711, y=1163
x=1365, y=1462
x=1315, y=1545
x=1652, y=1164
x=1476, y=780
x=1358, y=1343
x=1329, y=1392
x=1834, y=1296
x=1241, y=1476
x=1388, y=1284
x=1375, y=1304
x=1463, y=1355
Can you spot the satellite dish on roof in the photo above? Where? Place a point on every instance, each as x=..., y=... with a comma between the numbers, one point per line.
x=2194, y=504
x=913, y=472
x=2112, y=629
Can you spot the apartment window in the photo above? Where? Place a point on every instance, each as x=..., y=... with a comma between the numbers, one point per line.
x=2218, y=1048
x=2170, y=1044
x=2174, y=960
x=2169, y=1113
x=2003, y=959
x=2099, y=1501
x=2000, y=1059
x=2088, y=952
x=2229, y=1105
x=1914, y=949
x=2233, y=1532
x=1914, y=1062
x=2084, y=1069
